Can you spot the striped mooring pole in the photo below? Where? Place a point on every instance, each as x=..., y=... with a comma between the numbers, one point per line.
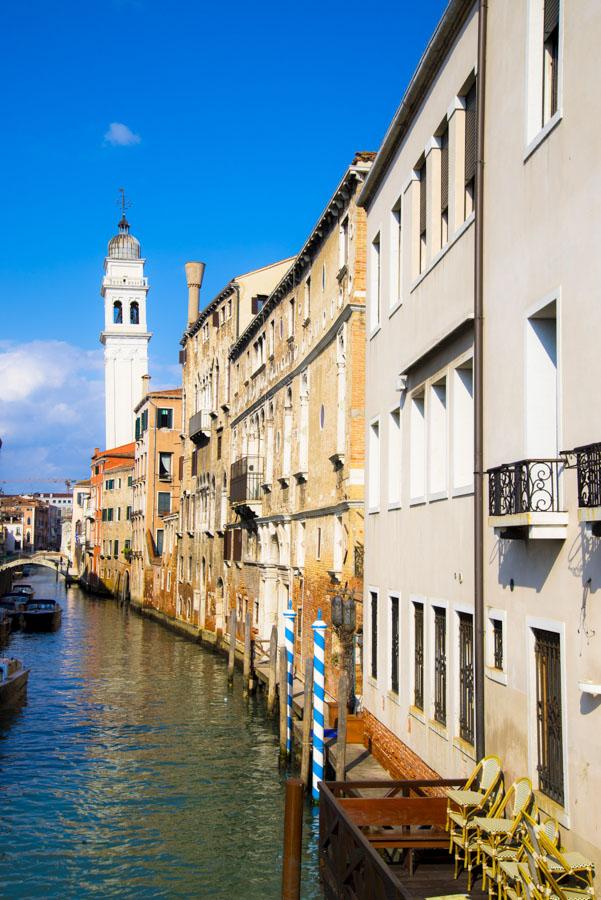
x=319, y=654
x=289, y=618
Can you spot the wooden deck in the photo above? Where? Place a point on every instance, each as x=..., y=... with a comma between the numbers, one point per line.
x=386, y=840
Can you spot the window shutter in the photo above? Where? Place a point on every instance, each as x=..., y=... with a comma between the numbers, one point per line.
x=470, y=134
x=255, y=305
x=194, y=462
x=216, y=318
x=551, y=18
x=227, y=545
x=422, y=198
x=444, y=171
x=237, y=545
x=182, y=357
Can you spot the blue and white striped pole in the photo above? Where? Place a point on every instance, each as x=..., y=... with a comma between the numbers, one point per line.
x=319, y=692
x=289, y=617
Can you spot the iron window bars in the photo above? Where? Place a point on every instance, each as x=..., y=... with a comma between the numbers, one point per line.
x=418, y=612
x=440, y=666
x=394, y=645
x=549, y=714
x=466, y=677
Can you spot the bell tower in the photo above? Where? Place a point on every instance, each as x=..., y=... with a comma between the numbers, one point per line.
x=125, y=336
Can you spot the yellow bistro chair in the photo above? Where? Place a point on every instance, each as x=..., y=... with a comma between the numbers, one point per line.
x=480, y=795
x=502, y=831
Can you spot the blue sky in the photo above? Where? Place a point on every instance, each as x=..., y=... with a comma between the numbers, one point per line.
x=243, y=117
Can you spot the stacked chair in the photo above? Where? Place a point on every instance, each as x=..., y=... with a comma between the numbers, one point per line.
x=517, y=848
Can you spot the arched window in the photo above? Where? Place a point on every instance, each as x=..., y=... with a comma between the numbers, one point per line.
x=117, y=312
x=134, y=313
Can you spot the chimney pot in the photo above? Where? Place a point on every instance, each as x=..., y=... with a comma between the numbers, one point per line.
x=194, y=275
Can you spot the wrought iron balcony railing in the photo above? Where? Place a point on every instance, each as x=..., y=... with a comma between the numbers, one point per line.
x=246, y=479
x=529, y=485
x=588, y=469
x=199, y=425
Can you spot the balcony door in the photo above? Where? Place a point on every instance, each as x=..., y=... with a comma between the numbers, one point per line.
x=542, y=385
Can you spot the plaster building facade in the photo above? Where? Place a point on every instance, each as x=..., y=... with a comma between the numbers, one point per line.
x=208, y=397
x=81, y=519
x=156, y=482
x=297, y=433
x=542, y=556
x=116, y=529
x=483, y=490
x=96, y=511
x=125, y=336
x=419, y=411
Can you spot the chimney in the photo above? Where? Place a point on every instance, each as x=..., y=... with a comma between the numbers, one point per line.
x=145, y=385
x=194, y=275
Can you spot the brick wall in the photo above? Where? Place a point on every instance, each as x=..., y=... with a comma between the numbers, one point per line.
x=396, y=757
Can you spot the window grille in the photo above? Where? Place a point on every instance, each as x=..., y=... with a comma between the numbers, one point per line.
x=550, y=58
x=444, y=171
x=466, y=677
x=418, y=699
x=440, y=666
x=549, y=714
x=470, y=135
x=374, y=635
x=422, y=199
x=394, y=645
x=497, y=636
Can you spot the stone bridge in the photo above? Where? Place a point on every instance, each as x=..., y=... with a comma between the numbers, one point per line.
x=49, y=558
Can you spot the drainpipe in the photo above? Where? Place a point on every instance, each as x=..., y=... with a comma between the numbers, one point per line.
x=478, y=391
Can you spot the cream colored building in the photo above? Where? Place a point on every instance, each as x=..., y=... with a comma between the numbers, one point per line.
x=542, y=320
x=419, y=594
x=536, y=658
x=116, y=529
x=156, y=483
x=208, y=396
x=297, y=432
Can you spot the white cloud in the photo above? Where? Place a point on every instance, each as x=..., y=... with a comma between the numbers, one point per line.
x=119, y=135
x=51, y=410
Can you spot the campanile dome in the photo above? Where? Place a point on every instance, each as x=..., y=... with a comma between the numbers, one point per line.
x=124, y=245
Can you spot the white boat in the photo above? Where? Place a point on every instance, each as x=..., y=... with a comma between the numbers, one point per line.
x=13, y=681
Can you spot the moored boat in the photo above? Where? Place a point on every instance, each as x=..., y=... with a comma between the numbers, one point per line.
x=41, y=615
x=14, y=604
x=25, y=589
x=13, y=681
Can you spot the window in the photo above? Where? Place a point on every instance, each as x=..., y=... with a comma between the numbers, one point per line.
x=117, y=312
x=375, y=281
x=470, y=150
x=307, y=302
x=318, y=549
x=374, y=633
x=343, y=238
x=542, y=385
x=138, y=428
x=128, y=513
x=423, y=229
x=164, y=503
x=144, y=421
x=374, y=466
x=497, y=644
x=165, y=418
x=291, y=318
x=437, y=443
x=394, y=458
x=396, y=254
x=159, y=541
x=130, y=480
x=109, y=514
x=444, y=187
x=418, y=655
x=418, y=447
x=547, y=651
x=463, y=426
x=134, y=313
x=165, y=465
x=394, y=645
x=109, y=484
x=440, y=665
x=116, y=549
x=466, y=677
x=550, y=58
x=219, y=444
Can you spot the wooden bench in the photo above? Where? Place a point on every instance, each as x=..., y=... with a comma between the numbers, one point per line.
x=400, y=823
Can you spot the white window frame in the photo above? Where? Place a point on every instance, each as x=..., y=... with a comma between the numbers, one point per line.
x=419, y=393
x=498, y=675
x=414, y=712
x=374, y=682
x=372, y=493
x=429, y=646
x=443, y=492
x=395, y=453
x=534, y=131
x=375, y=284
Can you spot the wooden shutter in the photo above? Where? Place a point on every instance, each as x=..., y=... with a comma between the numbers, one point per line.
x=227, y=545
x=181, y=468
x=216, y=318
x=194, y=462
x=551, y=18
x=422, y=198
x=470, y=134
x=237, y=544
x=444, y=171
x=255, y=305
x=182, y=357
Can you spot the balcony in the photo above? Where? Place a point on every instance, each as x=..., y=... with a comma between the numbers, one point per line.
x=199, y=428
x=524, y=500
x=245, y=481
x=587, y=461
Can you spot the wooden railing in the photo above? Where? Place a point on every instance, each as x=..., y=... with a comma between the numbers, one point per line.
x=350, y=863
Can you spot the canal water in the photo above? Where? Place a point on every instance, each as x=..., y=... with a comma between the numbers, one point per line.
x=132, y=771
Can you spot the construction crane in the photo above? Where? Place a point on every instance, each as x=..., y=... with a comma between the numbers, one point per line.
x=66, y=481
